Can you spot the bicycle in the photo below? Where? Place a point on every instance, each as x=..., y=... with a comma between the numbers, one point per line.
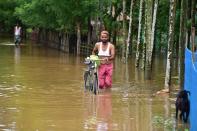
x=91, y=75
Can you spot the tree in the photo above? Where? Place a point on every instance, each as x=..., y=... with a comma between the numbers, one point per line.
x=129, y=32
x=7, y=19
x=110, y=19
x=139, y=34
x=148, y=32
x=182, y=42
x=153, y=26
x=124, y=28
x=193, y=23
x=170, y=43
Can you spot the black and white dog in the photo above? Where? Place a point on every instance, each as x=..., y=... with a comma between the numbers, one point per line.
x=183, y=104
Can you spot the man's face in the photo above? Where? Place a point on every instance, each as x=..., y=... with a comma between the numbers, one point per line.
x=104, y=38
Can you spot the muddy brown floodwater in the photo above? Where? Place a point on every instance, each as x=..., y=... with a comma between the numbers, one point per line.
x=41, y=89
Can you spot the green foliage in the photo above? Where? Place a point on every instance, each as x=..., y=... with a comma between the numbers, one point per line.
x=110, y=21
x=7, y=19
x=36, y=13
x=29, y=30
x=65, y=14
x=162, y=25
x=55, y=14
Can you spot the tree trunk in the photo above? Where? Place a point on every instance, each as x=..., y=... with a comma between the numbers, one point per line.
x=139, y=34
x=188, y=17
x=193, y=26
x=114, y=37
x=170, y=43
x=182, y=44
x=65, y=47
x=124, y=29
x=148, y=32
x=153, y=31
x=78, y=38
x=89, y=40
x=89, y=31
x=129, y=32
x=67, y=43
x=143, y=36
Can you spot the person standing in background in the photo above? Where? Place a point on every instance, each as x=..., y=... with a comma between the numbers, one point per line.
x=17, y=35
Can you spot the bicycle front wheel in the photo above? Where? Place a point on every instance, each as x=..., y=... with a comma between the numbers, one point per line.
x=95, y=85
x=88, y=83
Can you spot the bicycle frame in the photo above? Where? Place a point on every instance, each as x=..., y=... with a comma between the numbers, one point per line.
x=91, y=76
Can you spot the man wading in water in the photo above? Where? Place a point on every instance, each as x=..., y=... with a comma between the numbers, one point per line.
x=106, y=52
x=17, y=35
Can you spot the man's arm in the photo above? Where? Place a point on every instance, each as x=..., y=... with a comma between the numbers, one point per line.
x=95, y=49
x=112, y=52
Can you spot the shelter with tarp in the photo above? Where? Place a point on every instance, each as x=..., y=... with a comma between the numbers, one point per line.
x=191, y=85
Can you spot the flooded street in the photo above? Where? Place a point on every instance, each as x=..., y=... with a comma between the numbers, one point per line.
x=41, y=89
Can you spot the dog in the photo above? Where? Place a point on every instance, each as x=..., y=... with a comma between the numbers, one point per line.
x=183, y=105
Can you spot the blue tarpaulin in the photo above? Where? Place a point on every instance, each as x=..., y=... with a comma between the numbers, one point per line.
x=191, y=85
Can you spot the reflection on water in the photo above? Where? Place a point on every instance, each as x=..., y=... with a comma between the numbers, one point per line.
x=41, y=89
x=98, y=112
x=17, y=54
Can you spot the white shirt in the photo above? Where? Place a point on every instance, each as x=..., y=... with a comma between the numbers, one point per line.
x=102, y=52
x=17, y=31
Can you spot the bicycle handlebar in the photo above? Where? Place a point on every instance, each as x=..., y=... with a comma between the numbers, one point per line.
x=97, y=60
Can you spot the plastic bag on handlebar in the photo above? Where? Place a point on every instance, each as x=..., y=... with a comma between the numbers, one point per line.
x=96, y=59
